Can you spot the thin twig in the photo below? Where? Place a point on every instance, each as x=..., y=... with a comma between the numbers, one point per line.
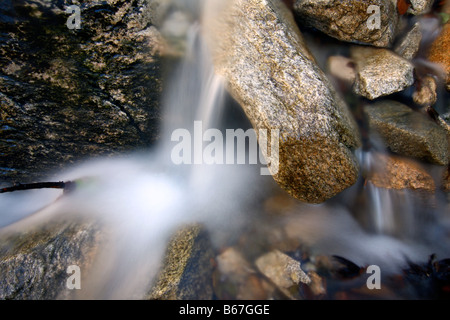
x=67, y=186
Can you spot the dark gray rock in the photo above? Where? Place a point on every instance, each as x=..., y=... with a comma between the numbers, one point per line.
x=34, y=264
x=407, y=132
x=66, y=94
x=260, y=53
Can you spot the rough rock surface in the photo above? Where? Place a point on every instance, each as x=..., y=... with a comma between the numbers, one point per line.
x=347, y=20
x=425, y=93
x=407, y=132
x=187, y=269
x=65, y=94
x=268, y=70
x=420, y=6
x=380, y=72
x=282, y=270
x=408, y=46
x=34, y=264
x=393, y=172
x=236, y=278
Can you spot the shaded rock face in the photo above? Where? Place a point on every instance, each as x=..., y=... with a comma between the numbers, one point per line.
x=408, y=46
x=269, y=71
x=346, y=20
x=68, y=93
x=407, y=132
x=380, y=72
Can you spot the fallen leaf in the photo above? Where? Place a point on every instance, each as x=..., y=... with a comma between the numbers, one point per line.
x=403, y=6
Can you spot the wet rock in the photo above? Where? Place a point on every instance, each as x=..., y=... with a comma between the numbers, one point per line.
x=408, y=46
x=235, y=278
x=317, y=288
x=380, y=72
x=407, y=132
x=393, y=172
x=34, y=264
x=65, y=94
x=269, y=71
x=439, y=50
x=187, y=271
x=283, y=271
x=349, y=20
x=425, y=93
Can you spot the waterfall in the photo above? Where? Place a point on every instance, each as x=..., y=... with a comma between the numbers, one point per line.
x=141, y=199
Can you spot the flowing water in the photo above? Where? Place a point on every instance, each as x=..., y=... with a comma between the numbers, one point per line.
x=141, y=199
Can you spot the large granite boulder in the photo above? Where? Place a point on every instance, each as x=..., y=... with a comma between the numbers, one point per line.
x=259, y=51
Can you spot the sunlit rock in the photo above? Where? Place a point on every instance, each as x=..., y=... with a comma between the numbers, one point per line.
x=260, y=53
x=282, y=270
x=439, y=52
x=187, y=270
x=369, y=22
x=380, y=72
x=425, y=93
x=394, y=172
x=420, y=6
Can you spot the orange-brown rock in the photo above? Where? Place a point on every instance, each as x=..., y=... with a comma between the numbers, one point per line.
x=394, y=172
x=446, y=180
x=439, y=52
